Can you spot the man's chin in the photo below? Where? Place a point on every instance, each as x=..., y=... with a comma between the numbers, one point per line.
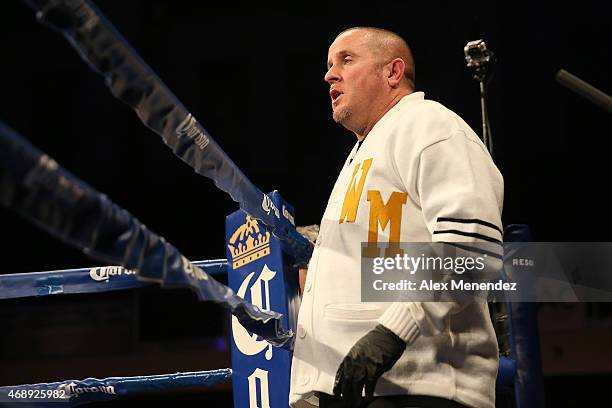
x=341, y=116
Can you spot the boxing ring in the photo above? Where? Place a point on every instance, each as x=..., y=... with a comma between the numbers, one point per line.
x=263, y=246
x=259, y=372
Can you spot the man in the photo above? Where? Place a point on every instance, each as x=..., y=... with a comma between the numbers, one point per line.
x=418, y=173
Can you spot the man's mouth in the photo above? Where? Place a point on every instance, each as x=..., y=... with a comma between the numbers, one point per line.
x=334, y=94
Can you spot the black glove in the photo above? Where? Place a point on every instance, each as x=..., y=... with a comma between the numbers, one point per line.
x=366, y=361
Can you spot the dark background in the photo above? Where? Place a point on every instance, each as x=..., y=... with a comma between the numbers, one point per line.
x=253, y=76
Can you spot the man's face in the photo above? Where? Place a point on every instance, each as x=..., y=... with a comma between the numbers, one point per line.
x=356, y=81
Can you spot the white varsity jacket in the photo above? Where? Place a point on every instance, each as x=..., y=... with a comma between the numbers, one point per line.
x=421, y=175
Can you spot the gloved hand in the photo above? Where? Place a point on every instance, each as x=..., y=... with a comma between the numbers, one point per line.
x=366, y=361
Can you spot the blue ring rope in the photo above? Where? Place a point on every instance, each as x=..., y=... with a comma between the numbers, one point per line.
x=72, y=393
x=133, y=82
x=83, y=280
x=37, y=187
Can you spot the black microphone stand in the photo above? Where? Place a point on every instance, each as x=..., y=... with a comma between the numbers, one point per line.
x=478, y=58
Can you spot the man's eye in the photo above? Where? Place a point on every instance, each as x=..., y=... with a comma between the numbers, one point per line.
x=347, y=60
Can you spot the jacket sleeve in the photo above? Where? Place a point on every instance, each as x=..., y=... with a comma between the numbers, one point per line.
x=460, y=192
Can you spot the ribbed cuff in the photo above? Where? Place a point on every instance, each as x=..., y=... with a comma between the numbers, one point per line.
x=399, y=320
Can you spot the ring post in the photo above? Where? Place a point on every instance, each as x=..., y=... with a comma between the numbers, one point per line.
x=261, y=273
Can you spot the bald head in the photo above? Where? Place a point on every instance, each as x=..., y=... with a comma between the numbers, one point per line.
x=387, y=45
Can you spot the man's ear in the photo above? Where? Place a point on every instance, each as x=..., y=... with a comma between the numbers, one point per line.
x=396, y=69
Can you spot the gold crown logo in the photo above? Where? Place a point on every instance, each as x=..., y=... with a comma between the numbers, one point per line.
x=247, y=243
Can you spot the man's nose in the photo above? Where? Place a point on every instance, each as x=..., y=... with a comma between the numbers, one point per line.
x=331, y=76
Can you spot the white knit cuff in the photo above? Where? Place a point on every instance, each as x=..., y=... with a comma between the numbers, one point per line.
x=399, y=320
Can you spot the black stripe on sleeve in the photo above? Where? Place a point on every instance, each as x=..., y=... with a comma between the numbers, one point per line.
x=468, y=234
x=471, y=221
